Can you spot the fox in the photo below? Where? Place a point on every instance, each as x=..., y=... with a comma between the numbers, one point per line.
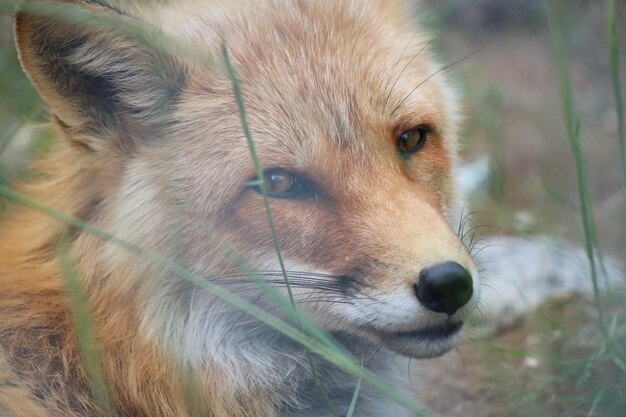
x=355, y=126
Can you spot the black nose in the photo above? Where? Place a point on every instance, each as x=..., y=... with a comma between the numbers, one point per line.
x=444, y=288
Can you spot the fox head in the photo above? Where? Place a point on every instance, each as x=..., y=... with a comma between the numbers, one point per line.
x=355, y=128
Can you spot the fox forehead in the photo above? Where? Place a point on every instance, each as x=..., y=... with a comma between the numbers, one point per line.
x=348, y=75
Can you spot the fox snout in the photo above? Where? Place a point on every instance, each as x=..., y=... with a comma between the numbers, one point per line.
x=412, y=280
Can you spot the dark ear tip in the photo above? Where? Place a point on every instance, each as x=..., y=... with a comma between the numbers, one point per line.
x=22, y=29
x=23, y=18
x=20, y=24
x=25, y=25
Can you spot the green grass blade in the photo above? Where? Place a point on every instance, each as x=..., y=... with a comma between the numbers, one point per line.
x=355, y=397
x=572, y=125
x=616, y=81
x=268, y=211
x=87, y=340
x=257, y=166
x=336, y=357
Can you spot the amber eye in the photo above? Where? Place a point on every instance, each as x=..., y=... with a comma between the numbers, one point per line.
x=281, y=183
x=412, y=140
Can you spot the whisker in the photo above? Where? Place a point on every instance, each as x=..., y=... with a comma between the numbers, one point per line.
x=395, y=65
x=459, y=230
x=460, y=353
x=486, y=247
x=373, y=355
x=471, y=230
x=390, y=91
x=433, y=75
x=410, y=376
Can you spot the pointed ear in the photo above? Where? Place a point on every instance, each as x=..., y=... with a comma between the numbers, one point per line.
x=98, y=81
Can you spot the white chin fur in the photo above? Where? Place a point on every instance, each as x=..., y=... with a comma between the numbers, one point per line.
x=396, y=321
x=422, y=348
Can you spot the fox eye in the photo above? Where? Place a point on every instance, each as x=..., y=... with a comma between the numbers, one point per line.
x=412, y=140
x=281, y=183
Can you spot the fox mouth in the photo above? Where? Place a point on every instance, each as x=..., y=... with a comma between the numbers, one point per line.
x=426, y=342
x=433, y=333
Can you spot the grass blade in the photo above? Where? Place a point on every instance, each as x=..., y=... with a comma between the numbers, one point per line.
x=616, y=81
x=573, y=136
x=572, y=125
x=355, y=397
x=337, y=357
x=87, y=340
x=268, y=211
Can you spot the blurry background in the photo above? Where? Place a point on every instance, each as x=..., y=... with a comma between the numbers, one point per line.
x=554, y=362
x=514, y=111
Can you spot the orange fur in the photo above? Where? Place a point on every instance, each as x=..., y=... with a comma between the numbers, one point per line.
x=150, y=150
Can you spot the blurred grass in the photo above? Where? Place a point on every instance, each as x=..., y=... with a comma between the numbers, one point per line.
x=577, y=195
x=566, y=368
x=614, y=56
x=313, y=338
x=572, y=126
x=605, y=397
x=540, y=194
x=260, y=182
x=87, y=340
x=17, y=96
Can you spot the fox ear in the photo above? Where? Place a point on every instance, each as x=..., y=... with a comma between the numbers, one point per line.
x=98, y=81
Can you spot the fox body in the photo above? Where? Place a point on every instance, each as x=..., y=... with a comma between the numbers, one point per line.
x=355, y=127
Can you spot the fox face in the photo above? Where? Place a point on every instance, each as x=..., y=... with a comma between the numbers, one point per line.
x=357, y=145
x=355, y=128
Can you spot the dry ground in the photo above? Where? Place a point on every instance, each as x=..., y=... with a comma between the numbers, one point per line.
x=533, y=369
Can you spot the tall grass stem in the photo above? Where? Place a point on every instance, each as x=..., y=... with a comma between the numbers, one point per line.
x=260, y=182
x=337, y=357
x=572, y=125
x=90, y=352
x=617, y=84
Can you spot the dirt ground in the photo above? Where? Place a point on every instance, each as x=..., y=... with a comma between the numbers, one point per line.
x=467, y=383
x=458, y=385
x=542, y=366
